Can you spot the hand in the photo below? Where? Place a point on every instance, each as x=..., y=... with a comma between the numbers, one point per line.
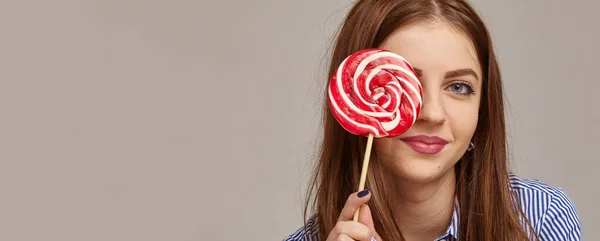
x=348, y=230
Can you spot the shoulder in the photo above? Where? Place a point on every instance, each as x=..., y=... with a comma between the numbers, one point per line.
x=309, y=232
x=549, y=209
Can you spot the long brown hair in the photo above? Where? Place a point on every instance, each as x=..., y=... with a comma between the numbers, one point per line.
x=488, y=210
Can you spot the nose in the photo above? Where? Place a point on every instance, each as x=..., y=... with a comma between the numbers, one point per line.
x=432, y=108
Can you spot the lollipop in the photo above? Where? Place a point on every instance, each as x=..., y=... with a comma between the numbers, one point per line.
x=375, y=93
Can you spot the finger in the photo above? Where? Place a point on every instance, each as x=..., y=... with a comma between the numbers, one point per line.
x=366, y=218
x=354, y=201
x=343, y=237
x=354, y=230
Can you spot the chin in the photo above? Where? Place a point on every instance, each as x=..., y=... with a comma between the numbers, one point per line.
x=414, y=167
x=420, y=171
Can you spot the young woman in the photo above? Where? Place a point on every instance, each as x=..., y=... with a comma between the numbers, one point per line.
x=447, y=177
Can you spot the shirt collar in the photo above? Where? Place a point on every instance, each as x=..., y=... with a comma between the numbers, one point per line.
x=452, y=231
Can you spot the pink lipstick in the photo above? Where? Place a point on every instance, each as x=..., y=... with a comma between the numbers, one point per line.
x=426, y=144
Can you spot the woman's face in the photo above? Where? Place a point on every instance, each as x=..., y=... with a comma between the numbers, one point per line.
x=446, y=63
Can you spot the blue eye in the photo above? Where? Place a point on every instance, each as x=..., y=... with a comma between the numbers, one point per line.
x=461, y=88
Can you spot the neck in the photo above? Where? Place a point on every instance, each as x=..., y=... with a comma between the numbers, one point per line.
x=424, y=210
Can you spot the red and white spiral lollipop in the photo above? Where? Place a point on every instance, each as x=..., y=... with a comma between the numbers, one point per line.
x=375, y=93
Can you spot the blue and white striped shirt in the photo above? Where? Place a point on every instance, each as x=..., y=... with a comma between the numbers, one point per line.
x=551, y=213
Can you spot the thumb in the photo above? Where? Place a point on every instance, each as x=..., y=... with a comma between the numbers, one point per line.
x=366, y=219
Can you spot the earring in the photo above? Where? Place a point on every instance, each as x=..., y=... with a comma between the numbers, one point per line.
x=471, y=146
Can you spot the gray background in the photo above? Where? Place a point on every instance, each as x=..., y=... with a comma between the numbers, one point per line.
x=197, y=120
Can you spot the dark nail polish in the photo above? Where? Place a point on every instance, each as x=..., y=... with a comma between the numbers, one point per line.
x=363, y=193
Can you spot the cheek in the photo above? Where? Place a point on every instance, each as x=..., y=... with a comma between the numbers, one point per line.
x=382, y=145
x=463, y=121
x=388, y=150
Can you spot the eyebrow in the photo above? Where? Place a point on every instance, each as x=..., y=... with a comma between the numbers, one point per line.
x=453, y=73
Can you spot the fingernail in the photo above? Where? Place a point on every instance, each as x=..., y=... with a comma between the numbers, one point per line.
x=363, y=193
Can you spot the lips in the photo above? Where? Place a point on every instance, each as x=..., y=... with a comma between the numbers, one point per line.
x=426, y=144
